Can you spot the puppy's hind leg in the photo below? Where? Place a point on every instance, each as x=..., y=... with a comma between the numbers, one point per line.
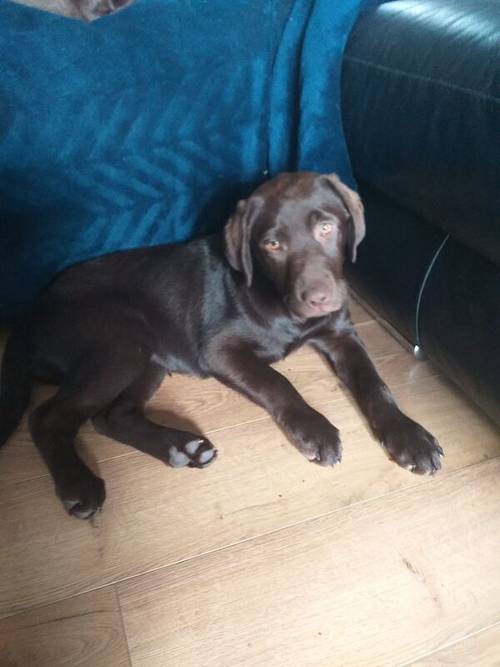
x=125, y=421
x=54, y=425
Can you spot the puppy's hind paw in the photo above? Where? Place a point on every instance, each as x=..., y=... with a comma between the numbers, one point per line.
x=83, y=498
x=196, y=453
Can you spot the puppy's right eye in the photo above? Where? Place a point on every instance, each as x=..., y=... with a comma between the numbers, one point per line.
x=272, y=245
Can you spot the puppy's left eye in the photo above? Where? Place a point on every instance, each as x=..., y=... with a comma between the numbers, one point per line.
x=325, y=228
x=272, y=245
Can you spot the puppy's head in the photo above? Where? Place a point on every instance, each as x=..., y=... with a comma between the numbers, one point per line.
x=296, y=229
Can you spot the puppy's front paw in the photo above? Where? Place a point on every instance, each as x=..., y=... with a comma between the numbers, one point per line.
x=316, y=438
x=411, y=446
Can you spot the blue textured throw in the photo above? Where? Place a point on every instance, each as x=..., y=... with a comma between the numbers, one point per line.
x=147, y=126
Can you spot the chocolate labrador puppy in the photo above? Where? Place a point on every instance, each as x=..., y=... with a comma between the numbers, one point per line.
x=227, y=306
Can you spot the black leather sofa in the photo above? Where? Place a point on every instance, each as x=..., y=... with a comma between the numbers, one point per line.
x=421, y=110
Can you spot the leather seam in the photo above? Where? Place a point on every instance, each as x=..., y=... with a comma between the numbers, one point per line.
x=427, y=79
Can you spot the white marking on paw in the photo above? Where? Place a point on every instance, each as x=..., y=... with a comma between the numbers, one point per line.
x=177, y=459
x=192, y=446
x=207, y=455
x=70, y=504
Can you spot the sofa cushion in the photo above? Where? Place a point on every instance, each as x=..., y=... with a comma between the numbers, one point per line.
x=392, y=260
x=460, y=323
x=421, y=104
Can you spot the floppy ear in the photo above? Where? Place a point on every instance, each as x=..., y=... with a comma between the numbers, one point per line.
x=354, y=205
x=237, y=237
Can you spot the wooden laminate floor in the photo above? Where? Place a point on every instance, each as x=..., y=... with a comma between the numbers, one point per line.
x=262, y=559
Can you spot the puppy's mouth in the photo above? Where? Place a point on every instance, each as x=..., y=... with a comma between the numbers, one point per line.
x=317, y=311
x=306, y=311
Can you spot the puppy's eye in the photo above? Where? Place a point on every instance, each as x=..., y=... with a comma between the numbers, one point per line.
x=272, y=245
x=325, y=228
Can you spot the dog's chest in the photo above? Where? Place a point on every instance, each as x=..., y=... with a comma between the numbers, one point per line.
x=277, y=340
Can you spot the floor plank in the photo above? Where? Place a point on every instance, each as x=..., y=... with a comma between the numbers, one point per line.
x=480, y=650
x=372, y=585
x=155, y=516
x=359, y=314
x=208, y=538
x=85, y=631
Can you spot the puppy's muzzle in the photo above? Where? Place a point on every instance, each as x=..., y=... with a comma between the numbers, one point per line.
x=318, y=297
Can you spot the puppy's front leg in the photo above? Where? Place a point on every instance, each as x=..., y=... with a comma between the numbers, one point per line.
x=406, y=442
x=313, y=435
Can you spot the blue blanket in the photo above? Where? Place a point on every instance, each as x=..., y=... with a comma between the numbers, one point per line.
x=146, y=127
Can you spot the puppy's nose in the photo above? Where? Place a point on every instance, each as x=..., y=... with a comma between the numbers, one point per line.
x=317, y=297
